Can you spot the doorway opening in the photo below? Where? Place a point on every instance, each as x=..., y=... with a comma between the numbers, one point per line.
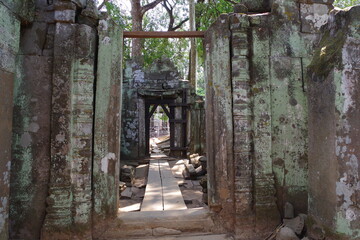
x=159, y=130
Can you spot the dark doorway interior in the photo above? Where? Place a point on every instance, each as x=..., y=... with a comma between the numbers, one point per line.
x=177, y=114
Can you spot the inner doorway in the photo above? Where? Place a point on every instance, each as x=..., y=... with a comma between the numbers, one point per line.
x=174, y=122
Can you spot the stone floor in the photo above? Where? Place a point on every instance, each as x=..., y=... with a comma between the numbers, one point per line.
x=132, y=197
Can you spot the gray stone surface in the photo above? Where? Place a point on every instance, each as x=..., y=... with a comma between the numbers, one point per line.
x=286, y=233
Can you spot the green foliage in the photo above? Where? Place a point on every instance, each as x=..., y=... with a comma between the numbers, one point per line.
x=177, y=50
x=346, y=3
x=206, y=14
x=124, y=21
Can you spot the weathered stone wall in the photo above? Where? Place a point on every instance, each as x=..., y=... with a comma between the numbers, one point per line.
x=159, y=81
x=334, y=110
x=10, y=21
x=52, y=141
x=268, y=97
x=106, y=164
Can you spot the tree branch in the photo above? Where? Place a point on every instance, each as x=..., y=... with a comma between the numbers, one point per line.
x=170, y=13
x=102, y=4
x=180, y=24
x=149, y=6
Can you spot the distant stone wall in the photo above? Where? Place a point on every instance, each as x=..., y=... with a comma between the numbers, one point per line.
x=160, y=80
x=334, y=140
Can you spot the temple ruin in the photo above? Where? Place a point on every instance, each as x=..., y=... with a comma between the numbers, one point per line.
x=281, y=112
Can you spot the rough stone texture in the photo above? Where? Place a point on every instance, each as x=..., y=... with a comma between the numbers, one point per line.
x=31, y=134
x=22, y=9
x=161, y=80
x=107, y=121
x=71, y=132
x=219, y=124
x=9, y=45
x=197, y=127
x=269, y=54
x=334, y=127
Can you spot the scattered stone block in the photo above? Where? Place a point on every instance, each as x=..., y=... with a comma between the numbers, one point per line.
x=139, y=182
x=188, y=184
x=286, y=233
x=316, y=233
x=126, y=193
x=141, y=171
x=191, y=170
x=288, y=211
x=127, y=173
x=200, y=171
x=122, y=186
x=296, y=224
x=160, y=231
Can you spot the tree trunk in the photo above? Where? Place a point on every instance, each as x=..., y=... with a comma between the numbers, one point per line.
x=192, y=67
x=137, y=17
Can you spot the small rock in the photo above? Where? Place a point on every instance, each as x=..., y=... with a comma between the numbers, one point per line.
x=286, y=233
x=296, y=224
x=141, y=171
x=127, y=173
x=139, y=182
x=316, y=233
x=288, y=211
x=200, y=171
x=303, y=216
x=188, y=184
x=305, y=238
x=126, y=193
x=191, y=170
x=160, y=231
x=122, y=186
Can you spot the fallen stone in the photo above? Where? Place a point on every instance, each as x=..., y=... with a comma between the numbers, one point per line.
x=296, y=224
x=138, y=193
x=188, y=184
x=122, y=186
x=191, y=170
x=126, y=193
x=196, y=161
x=127, y=173
x=316, y=233
x=160, y=231
x=203, y=162
x=286, y=233
x=141, y=171
x=303, y=216
x=200, y=171
x=139, y=182
x=288, y=211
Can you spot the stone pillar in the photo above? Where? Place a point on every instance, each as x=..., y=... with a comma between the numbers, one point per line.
x=9, y=46
x=267, y=214
x=242, y=126
x=219, y=122
x=69, y=201
x=107, y=130
x=334, y=142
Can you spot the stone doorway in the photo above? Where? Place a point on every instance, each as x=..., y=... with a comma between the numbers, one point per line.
x=177, y=115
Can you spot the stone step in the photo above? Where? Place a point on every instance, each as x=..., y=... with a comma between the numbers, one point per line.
x=198, y=236
x=159, y=223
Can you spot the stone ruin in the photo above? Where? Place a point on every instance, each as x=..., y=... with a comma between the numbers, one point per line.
x=281, y=118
